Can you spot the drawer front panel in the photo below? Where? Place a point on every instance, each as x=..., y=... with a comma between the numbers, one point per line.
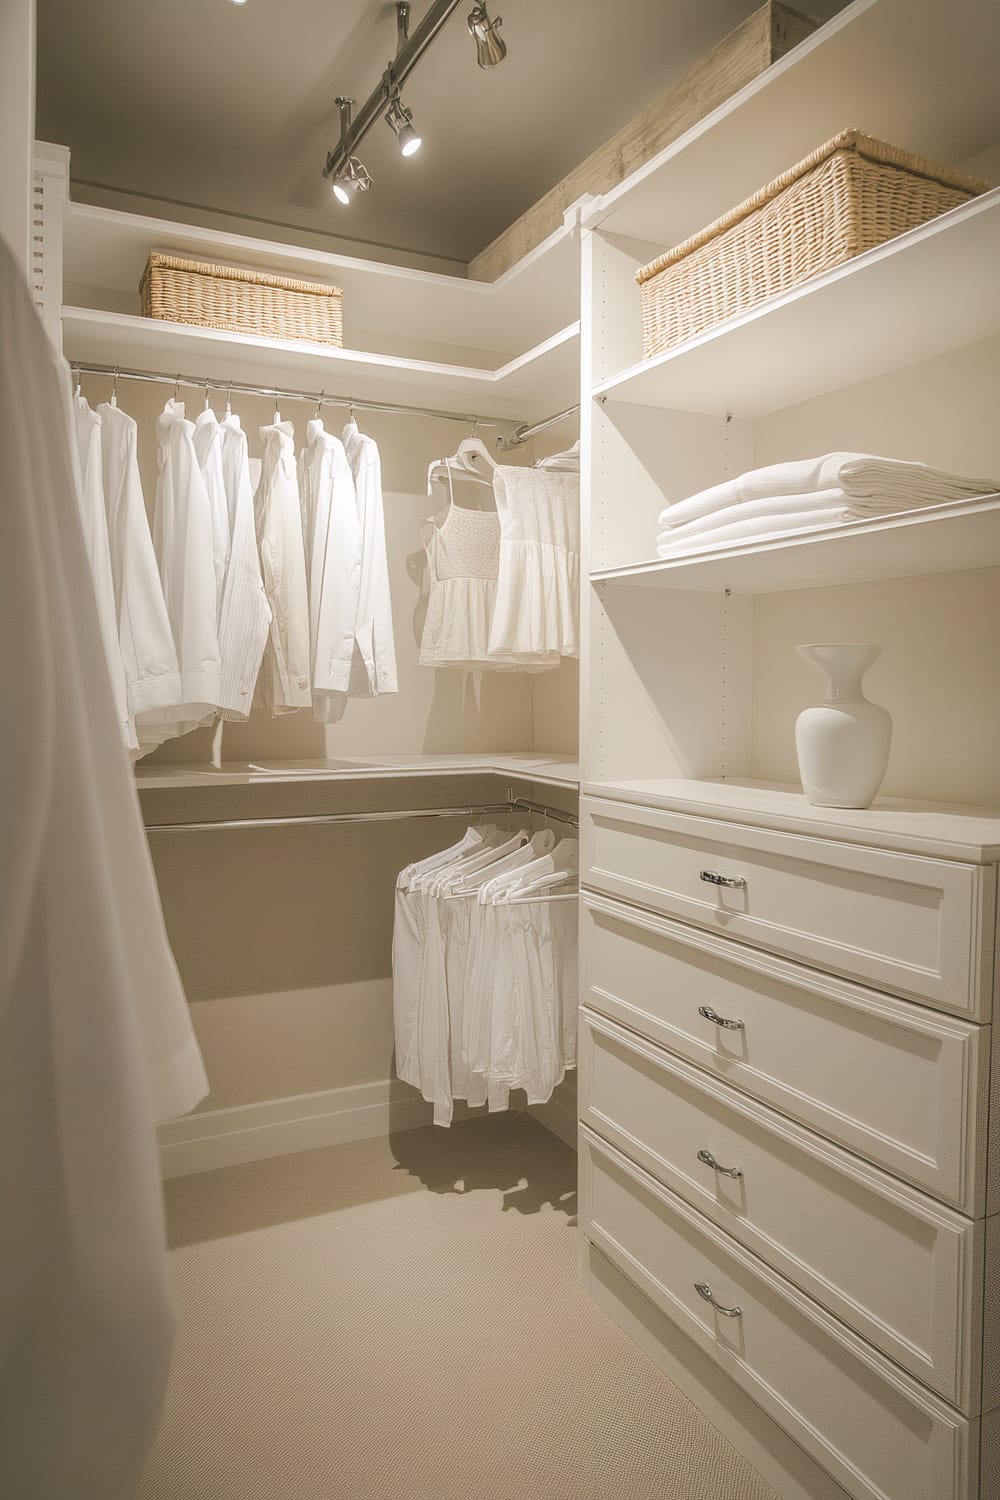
x=900, y=922
x=895, y=1266
x=901, y=1085
x=878, y=1432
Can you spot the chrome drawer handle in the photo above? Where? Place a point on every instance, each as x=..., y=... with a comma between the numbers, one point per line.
x=709, y=1014
x=735, y=881
x=710, y=1161
x=704, y=1290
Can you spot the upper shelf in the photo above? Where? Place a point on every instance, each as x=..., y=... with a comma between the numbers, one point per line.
x=918, y=73
x=529, y=387
x=933, y=289
x=937, y=539
x=387, y=309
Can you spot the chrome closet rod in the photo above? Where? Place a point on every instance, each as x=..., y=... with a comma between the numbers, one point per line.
x=313, y=819
x=521, y=434
x=156, y=377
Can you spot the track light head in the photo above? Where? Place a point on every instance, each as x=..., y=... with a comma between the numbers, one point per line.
x=400, y=119
x=355, y=178
x=490, y=45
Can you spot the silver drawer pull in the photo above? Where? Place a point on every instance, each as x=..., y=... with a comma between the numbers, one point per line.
x=736, y=881
x=704, y=1290
x=709, y=1014
x=710, y=1161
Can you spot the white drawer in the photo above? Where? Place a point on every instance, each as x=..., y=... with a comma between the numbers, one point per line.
x=901, y=1270
x=903, y=1086
x=918, y=927
x=876, y=1430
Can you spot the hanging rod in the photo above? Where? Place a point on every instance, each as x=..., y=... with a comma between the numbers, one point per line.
x=480, y=809
x=156, y=377
x=518, y=436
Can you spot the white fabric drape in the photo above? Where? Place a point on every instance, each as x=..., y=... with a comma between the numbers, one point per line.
x=94, y=1031
x=246, y=614
x=332, y=531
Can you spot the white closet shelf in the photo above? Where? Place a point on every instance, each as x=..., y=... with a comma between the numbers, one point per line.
x=868, y=67
x=529, y=766
x=941, y=830
x=937, y=539
x=529, y=387
x=932, y=289
x=105, y=252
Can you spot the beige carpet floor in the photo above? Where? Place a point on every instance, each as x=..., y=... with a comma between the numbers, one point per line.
x=401, y=1319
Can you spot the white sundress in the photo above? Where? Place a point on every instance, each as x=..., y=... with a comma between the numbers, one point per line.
x=536, y=618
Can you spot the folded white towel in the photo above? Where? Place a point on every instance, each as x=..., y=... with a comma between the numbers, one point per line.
x=774, y=506
x=871, y=485
x=668, y=544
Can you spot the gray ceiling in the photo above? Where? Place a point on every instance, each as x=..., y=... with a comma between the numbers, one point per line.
x=208, y=104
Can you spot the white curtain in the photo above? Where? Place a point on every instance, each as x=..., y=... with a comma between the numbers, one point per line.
x=95, y=1036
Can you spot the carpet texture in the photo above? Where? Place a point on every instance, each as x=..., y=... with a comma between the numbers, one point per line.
x=401, y=1319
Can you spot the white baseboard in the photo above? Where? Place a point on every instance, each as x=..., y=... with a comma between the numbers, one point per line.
x=277, y=1127
x=559, y=1116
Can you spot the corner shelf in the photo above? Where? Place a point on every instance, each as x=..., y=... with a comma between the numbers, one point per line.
x=932, y=289
x=529, y=765
x=385, y=306
x=527, y=388
x=936, y=539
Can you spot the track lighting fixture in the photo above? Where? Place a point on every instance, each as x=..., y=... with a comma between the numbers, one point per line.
x=401, y=120
x=343, y=169
x=355, y=178
x=490, y=45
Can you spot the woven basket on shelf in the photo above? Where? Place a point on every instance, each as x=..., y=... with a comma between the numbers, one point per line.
x=848, y=196
x=241, y=301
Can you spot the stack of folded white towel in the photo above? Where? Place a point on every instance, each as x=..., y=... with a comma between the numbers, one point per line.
x=806, y=494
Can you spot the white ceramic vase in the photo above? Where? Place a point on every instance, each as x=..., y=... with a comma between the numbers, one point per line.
x=842, y=743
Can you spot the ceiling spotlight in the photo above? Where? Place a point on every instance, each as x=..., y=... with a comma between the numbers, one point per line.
x=401, y=120
x=490, y=46
x=355, y=178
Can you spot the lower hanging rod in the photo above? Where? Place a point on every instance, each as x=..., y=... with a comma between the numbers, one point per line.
x=310, y=820
x=318, y=398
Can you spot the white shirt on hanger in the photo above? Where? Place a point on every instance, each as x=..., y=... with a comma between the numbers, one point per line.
x=208, y=446
x=93, y=515
x=285, y=674
x=246, y=615
x=332, y=531
x=183, y=538
x=152, y=674
x=374, y=634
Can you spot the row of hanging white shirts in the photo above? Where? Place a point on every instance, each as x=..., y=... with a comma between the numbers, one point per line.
x=287, y=583
x=504, y=576
x=484, y=966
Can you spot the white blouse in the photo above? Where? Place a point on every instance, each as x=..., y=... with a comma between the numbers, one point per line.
x=285, y=672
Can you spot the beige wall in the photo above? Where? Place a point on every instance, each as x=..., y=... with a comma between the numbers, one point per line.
x=17, y=123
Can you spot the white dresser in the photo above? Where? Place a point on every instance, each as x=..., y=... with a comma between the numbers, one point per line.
x=785, y=1064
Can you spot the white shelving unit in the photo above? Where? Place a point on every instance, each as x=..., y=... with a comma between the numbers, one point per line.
x=690, y=687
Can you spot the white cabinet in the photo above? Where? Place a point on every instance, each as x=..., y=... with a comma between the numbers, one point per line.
x=804, y=994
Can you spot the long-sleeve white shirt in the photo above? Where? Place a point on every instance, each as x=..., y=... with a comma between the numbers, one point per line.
x=183, y=538
x=152, y=674
x=246, y=615
x=207, y=437
x=285, y=674
x=374, y=634
x=332, y=531
x=93, y=515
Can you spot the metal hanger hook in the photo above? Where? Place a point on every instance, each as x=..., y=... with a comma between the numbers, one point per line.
x=114, y=387
x=177, y=386
x=319, y=403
